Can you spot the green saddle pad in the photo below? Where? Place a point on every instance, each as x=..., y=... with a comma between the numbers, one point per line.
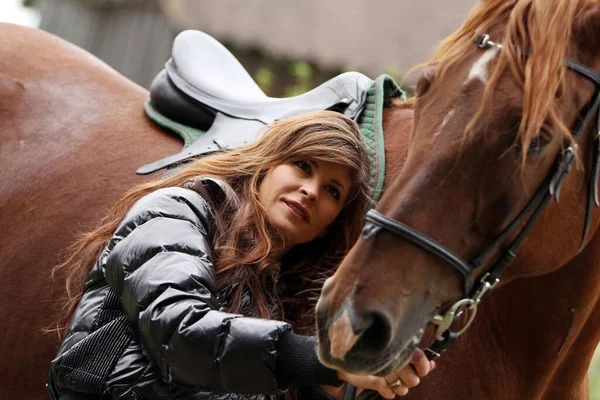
x=370, y=121
x=371, y=127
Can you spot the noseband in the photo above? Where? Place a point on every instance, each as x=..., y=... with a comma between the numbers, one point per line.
x=551, y=187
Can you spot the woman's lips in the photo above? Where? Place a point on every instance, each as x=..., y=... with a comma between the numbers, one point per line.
x=298, y=210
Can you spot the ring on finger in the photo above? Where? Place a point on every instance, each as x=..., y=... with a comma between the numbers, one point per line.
x=396, y=384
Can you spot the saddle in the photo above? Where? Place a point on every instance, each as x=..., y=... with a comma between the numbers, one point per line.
x=203, y=86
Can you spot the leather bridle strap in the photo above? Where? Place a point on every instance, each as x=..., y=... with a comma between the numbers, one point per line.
x=593, y=187
x=379, y=221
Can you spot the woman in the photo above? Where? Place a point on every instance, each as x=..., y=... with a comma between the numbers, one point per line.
x=198, y=279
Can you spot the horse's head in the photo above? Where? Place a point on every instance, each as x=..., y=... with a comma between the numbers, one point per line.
x=491, y=124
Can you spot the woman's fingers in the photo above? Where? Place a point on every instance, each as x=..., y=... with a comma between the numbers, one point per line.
x=388, y=387
x=398, y=382
x=421, y=364
x=397, y=386
x=391, y=389
x=408, y=376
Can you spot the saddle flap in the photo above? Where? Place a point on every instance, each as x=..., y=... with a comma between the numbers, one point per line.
x=225, y=133
x=347, y=88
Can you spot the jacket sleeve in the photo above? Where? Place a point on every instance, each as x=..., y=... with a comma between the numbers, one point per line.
x=159, y=264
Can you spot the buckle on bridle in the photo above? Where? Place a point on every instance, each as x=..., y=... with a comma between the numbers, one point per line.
x=572, y=149
x=483, y=42
x=443, y=322
x=485, y=288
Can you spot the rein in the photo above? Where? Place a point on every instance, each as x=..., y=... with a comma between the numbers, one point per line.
x=551, y=186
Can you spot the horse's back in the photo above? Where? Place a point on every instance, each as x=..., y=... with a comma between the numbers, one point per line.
x=72, y=134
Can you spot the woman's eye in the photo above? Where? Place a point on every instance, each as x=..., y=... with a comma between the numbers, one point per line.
x=303, y=165
x=334, y=192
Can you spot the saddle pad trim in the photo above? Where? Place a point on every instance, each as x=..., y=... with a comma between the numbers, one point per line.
x=187, y=133
x=383, y=89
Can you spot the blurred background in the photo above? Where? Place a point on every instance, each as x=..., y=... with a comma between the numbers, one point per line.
x=288, y=46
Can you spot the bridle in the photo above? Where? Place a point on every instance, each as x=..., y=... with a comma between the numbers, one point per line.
x=550, y=187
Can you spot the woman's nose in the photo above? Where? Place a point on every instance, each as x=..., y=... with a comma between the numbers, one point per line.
x=310, y=190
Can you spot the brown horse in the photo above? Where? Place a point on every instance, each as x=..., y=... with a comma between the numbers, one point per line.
x=73, y=132
x=493, y=120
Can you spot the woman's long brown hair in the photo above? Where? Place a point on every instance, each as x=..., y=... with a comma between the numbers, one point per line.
x=243, y=258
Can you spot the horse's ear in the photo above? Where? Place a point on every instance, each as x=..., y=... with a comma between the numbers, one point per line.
x=586, y=30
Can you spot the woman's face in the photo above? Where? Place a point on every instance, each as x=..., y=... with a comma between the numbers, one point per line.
x=303, y=197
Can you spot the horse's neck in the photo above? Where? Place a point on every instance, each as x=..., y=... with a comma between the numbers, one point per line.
x=397, y=125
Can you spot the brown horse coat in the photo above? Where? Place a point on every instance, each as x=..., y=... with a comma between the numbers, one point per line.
x=73, y=132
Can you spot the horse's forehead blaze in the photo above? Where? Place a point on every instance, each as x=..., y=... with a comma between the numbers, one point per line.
x=479, y=70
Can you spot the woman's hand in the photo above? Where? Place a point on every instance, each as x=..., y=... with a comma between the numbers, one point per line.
x=398, y=382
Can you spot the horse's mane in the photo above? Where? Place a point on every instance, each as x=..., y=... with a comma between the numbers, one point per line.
x=543, y=28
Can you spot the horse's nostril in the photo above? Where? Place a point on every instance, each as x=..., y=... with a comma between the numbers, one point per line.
x=376, y=336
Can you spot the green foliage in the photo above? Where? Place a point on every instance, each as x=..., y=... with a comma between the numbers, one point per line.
x=594, y=374
x=280, y=76
x=265, y=78
x=303, y=72
x=394, y=71
x=348, y=68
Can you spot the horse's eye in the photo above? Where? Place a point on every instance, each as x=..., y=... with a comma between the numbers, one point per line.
x=537, y=145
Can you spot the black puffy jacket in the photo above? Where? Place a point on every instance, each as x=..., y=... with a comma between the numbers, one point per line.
x=149, y=325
